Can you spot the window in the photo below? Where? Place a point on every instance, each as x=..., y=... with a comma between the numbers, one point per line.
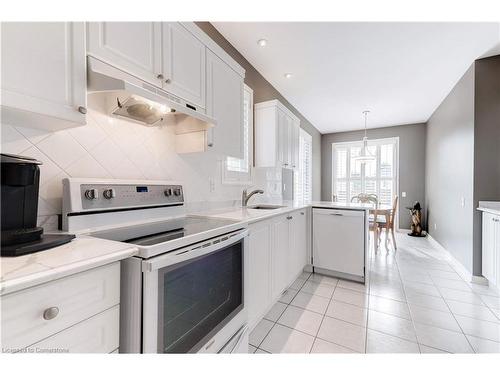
x=238, y=171
x=379, y=176
x=303, y=185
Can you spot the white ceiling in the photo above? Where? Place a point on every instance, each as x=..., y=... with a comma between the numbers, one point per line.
x=399, y=71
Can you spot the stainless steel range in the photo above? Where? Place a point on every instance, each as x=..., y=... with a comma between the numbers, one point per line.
x=184, y=291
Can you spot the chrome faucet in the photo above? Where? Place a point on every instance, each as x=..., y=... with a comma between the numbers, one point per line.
x=245, y=196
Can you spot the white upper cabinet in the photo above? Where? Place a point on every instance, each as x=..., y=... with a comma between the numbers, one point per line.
x=276, y=136
x=134, y=47
x=225, y=104
x=43, y=74
x=184, y=69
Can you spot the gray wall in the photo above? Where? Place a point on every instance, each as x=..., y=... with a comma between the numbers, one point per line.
x=411, y=162
x=486, y=142
x=263, y=91
x=449, y=171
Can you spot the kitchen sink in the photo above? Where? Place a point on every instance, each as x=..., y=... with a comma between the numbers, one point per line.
x=265, y=207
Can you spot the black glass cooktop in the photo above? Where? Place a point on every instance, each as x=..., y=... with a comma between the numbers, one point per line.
x=163, y=231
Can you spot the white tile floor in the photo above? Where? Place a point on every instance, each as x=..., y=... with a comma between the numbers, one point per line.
x=413, y=302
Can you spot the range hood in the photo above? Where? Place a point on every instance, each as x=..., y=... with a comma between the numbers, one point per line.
x=128, y=97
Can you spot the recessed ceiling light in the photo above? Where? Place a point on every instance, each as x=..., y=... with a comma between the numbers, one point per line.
x=262, y=42
x=288, y=75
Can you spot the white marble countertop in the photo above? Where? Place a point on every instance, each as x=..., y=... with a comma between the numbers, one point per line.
x=86, y=252
x=249, y=215
x=489, y=206
x=81, y=254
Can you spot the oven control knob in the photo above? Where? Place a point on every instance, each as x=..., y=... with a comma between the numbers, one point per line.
x=91, y=194
x=168, y=192
x=177, y=192
x=109, y=193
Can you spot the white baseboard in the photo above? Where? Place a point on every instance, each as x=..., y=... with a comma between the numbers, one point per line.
x=457, y=266
x=402, y=230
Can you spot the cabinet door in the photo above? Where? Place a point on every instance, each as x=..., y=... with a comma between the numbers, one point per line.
x=283, y=143
x=298, y=231
x=259, y=271
x=488, y=248
x=280, y=254
x=184, y=68
x=225, y=104
x=496, y=249
x=294, y=141
x=134, y=47
x=43, y=73
x=290, y=154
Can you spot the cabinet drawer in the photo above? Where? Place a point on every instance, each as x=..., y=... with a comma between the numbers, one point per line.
x=76, y=297
x=99, y=334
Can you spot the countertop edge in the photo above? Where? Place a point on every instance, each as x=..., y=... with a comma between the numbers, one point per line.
x=489, y=210
x=277, y=212
x=37, y=278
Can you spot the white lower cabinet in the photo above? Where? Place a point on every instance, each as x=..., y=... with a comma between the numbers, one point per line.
x=277, y=255
x=259, y=266
x=98, y=334
x=281, y=254
x=491, y=248
x=299, y=236
x=44, y=316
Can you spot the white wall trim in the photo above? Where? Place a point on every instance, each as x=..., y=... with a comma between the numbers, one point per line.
x=457, y=266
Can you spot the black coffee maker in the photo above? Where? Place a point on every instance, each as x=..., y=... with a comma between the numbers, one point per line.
x=20, y=179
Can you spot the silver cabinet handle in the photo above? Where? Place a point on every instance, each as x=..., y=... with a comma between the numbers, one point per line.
x=168, y=80
x=289, y=217
x=210, y=344
x=337, y=214
x=302, y=213
x=50, y=313
x=159, y=76
x=82, y=110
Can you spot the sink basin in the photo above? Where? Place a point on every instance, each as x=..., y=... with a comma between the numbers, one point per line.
x=265, y=207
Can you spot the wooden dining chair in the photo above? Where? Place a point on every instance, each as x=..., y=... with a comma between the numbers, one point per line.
x=388, y=223
x=373, y=225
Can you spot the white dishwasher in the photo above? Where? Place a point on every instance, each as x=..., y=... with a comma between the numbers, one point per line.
x=340, y=239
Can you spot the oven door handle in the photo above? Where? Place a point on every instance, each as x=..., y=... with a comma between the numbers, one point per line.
x=193, y=251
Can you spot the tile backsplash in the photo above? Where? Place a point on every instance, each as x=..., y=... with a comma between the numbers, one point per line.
x=113, y=148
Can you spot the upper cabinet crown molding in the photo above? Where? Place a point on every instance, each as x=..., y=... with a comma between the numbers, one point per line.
x=44, y=82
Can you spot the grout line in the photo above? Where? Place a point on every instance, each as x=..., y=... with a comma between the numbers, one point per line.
x=409, y=310
x=276, y=322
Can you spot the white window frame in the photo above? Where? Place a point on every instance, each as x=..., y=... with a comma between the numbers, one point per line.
x=307, y=139
x=231, y=175
x=348, y=179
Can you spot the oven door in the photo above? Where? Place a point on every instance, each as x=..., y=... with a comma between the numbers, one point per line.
x=193, y=298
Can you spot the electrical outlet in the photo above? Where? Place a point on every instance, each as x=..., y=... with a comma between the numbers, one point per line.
x=403, y=194
x=211, y=182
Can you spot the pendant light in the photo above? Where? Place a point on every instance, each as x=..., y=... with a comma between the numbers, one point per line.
x=365, y=155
